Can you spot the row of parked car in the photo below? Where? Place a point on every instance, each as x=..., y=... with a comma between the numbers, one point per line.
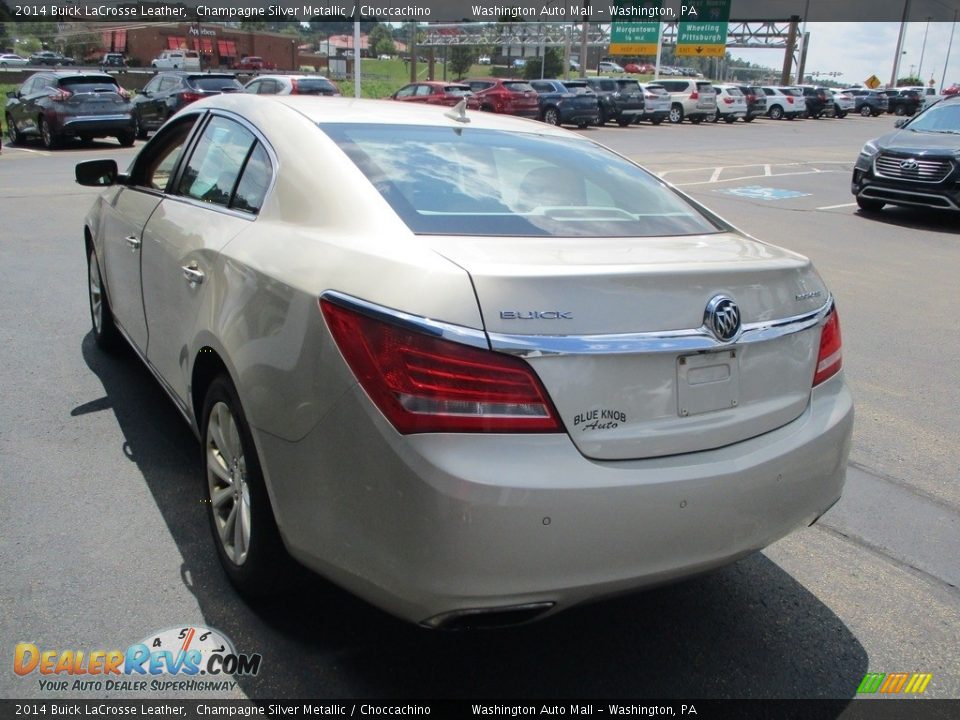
x=624, y=100
x=55, y=104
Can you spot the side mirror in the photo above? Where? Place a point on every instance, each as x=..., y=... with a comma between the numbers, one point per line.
x=97, y=173
x=901, y=122
x=14, y=94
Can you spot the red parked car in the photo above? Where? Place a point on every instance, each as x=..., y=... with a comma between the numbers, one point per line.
x=642, y=68
x=511, y=97
x=252, y=62
x=432, y=92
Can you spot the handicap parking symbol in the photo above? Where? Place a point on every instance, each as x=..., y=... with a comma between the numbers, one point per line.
x=756, y=192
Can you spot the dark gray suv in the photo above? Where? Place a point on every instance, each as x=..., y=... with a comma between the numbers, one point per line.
x=56, y=105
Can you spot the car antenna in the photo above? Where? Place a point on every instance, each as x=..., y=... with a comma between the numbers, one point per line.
x=458, y=112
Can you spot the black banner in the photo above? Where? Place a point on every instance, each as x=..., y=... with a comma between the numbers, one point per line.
x=873, y=709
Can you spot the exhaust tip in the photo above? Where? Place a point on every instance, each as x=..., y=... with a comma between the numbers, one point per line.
x=487, y=618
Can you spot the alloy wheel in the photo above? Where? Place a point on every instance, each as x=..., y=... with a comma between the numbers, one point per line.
x=227, y=483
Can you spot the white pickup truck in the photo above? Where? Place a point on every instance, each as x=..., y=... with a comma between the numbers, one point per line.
x=177, y=60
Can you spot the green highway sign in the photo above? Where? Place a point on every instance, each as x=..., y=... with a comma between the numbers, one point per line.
x=632, y=34
x=706, y=35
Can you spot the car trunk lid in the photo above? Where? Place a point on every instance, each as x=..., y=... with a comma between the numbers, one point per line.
x=614, y=329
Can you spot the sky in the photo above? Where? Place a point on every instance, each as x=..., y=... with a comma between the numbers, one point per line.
x=859, y=50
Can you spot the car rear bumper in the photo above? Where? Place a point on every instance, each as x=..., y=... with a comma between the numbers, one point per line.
x=433, y=524
x=575, y=116
x=95, y=125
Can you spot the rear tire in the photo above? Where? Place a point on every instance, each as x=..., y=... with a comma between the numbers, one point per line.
x=623, y=122
x=730, y=119
x=749, y=118
x=12, y=131
x=676, y=114
x=139, y=130
x=241, y=518
x=551, y=116
x=51, y=141
x=656, y=122
x=105, y=333
x=126, y=138
x=899, y=110
x=870, y=206
x=776, y=113
x=865, y=111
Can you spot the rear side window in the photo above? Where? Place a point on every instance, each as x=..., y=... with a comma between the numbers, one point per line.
x=706, y=88
x=629, y=86
x=518, y=87
x=253, y=182
x=217, y=160
x=479, y=85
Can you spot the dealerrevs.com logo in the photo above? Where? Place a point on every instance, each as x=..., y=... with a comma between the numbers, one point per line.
x=190, y=659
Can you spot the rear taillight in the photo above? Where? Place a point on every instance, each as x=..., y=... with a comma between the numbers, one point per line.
x=694, y=95
x=830, y=357
x=424, y=384
x=293, y=86
x=728, y=100
x=789, y=99
x=61, y=95
x=189, y=96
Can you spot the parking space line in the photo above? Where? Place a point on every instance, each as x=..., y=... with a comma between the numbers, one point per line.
x=751, y=177
x=27, y=150
x=834, y=207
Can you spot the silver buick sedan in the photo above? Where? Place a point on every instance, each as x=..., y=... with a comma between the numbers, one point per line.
x=473, y=368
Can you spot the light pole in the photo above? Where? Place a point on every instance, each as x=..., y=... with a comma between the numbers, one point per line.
x=923, y=48
x=943, y=80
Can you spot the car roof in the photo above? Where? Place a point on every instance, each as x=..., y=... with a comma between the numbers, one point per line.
x=274, y=76
x=377, y=112
x=60, y=74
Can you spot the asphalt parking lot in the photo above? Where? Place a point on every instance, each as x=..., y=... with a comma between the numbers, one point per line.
x=105, y=539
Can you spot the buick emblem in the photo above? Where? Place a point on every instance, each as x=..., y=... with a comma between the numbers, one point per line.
x=910, y=164
x=722, y=317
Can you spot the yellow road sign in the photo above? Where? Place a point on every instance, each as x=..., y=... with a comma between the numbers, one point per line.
x=701, y=50
x=872, y=82
x=633, y=49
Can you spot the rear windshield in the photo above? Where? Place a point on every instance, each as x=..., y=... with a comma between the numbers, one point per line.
x=735, y=92
x=224, y=83
x=314, y=85
x=656, y=90
x=519, y=87
x=87, y=84
x=629, y=86
x=464, y=181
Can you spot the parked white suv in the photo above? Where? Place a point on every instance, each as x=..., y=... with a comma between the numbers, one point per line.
x=783, y=103
x=731, y=103
x=693, y=99
x=177, y=60
x=842, y=103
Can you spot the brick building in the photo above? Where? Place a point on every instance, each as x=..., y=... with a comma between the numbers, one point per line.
x=219, y=46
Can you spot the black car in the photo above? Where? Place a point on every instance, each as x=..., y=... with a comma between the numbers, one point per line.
x=53, y=105
x=621, y=99
x=819, y=101
x=916, y=165
x=869, y=102
x=562, y=103
x=48, y=57
x=170, y=91
x=113, y=60
x=756, y=101
x=904, y=102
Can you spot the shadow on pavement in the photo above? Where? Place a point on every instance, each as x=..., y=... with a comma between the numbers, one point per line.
x=915, y=218
x=748, y=630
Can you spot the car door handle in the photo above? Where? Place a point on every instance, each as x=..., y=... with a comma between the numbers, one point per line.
x=193, y=274
x=133, y=242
